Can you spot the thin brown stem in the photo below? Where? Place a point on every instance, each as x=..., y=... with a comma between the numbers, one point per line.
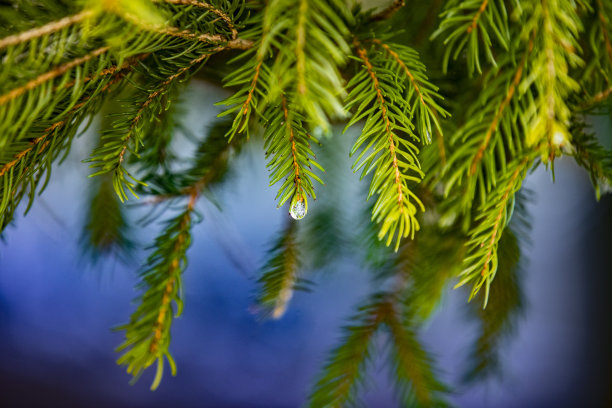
x=49, y=28
x=173, y=270
x=54, y=73
x=151, y=98
x=497, y=226
x=481, y=10
x=209, y=7
x=297, y=181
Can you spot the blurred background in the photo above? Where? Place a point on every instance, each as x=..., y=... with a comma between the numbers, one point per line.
x=57, y=310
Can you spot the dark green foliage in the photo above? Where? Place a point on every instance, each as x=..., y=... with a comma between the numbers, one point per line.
x=279, y=276
x=106, y=229
x=344, y=372
x=287, y=142
x=388, y=145
x=498, y=320
x=474, y=25
x=295, y=68
x=593, y=157
x=147, y=335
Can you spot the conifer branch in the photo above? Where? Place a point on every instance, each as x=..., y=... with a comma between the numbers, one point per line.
x=109, y=157
x=345, y=368
x=589, y=154
x=279, y=276
x=497, y=118
x=412, y=370
x=209, y=7
x=604, y=28
x=471, y=25
x=338, y=384
x=494, y=214
x=505, y=305
x=392, y=156
x=48, y=76
x=556, y=27
x=28, y=166
x=287, y=143
x=45, y=30
x=147, y=335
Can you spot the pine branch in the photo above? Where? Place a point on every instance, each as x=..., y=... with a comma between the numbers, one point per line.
x=106, y=228
x=556, y=26
x=287, y=142
x=24, y=165
x=252, y=78
x=343, y=374
x=481, y=261
x=589, y=154
x=147, y=335
x=374, y=91
x=414, y=378
x=498, y=321
x=344, y=371
x=476, y=26
x=280, y=276
x=127, y=135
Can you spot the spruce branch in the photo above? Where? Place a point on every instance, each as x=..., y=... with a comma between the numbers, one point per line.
x=46, y=29
x=48, y=76
x=415, y=381
x=505, y=306
x=556, y=26
x=287, y=143
x=383, y=150
x=493, y=134
x=280, y=274
x=589, y=154
x=24, y=165
x=106, y=229
x=252, y=78
x=147, y=335
x=338, y=384
x=421, y=95
x=109, y=157
x=313, y=57
x=481, y=260
x=476, y=26
x=344, y=371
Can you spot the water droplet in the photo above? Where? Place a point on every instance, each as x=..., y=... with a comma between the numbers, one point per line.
x=298, y=210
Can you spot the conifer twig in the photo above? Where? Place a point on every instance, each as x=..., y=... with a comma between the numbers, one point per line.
x=47, y=29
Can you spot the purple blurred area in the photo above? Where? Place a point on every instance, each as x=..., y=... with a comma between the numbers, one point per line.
x=56, y=313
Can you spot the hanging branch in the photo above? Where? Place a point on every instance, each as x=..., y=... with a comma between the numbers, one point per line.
x=147, y=335
x=279, y=278
x=383, y=149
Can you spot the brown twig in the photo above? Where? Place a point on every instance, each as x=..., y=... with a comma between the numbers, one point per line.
x=482, y=8
x=498, y=220
x=54, y=73
x=44, y=30
x=389, y=11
